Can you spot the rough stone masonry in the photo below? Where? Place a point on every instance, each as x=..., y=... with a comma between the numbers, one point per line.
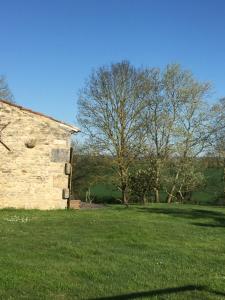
x=34, y=150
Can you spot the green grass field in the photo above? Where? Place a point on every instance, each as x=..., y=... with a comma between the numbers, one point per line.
x=154, y=252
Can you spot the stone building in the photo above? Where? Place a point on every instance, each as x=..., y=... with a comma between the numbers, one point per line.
x=34, y=159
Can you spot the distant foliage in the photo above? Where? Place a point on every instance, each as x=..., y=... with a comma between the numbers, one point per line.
x=141, y=184
x=88, y=170
x=184, y=178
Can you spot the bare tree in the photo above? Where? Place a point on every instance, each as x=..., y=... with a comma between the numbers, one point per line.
x=218, y=136
x=110, y=113
x=173, y=115
x=192, y=131
x=5, y=93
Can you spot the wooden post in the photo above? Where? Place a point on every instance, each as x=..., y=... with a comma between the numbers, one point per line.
x=70, y=178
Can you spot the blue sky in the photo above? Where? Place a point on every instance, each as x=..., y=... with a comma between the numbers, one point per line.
x=49, y=47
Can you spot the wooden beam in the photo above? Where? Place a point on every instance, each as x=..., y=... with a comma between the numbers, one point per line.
x=5, y=145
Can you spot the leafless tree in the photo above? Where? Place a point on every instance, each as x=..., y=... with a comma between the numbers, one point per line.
x=5, y=93
x=175, y=116
x=111, y=109
x=218, y=136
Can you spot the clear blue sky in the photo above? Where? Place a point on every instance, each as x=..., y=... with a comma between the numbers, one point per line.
x=49, y=47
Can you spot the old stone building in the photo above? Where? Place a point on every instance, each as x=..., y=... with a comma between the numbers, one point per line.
x=34, y=159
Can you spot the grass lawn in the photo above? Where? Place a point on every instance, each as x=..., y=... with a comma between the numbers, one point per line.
x=154, y=252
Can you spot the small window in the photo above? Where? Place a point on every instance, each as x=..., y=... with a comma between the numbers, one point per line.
x=59, y=155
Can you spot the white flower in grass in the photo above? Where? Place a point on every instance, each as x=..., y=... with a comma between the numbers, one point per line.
x=15, y=219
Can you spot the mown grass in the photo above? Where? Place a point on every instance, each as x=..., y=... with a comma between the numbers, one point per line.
x=154, y=252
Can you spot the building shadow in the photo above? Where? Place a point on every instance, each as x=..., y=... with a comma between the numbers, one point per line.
x=166, y=291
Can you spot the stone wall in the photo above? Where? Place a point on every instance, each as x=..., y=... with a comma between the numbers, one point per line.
x=32, y=173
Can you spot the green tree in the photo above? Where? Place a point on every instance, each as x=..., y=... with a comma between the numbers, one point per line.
x=142, y=182
x=183, y=179
x=89, y=169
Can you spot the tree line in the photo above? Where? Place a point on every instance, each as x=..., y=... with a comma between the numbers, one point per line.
x=152, y=125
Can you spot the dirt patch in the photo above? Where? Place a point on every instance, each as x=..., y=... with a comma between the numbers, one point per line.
x=85, y=205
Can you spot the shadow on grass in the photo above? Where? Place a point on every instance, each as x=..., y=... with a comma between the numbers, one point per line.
x=218, y=218
x=218, y=223
x=159, y=292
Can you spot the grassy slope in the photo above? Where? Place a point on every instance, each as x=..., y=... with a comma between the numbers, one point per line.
x=159, y=251
x=214, y=186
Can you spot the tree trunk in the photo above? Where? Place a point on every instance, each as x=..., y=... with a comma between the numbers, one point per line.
x=124, y=196
x=123, y=184
x=144, y=199
x=170, y=195
x=157, y=182
x=88, y=195
x=157, y=199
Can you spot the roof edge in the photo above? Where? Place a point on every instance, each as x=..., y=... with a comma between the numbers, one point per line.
x=72, y=128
